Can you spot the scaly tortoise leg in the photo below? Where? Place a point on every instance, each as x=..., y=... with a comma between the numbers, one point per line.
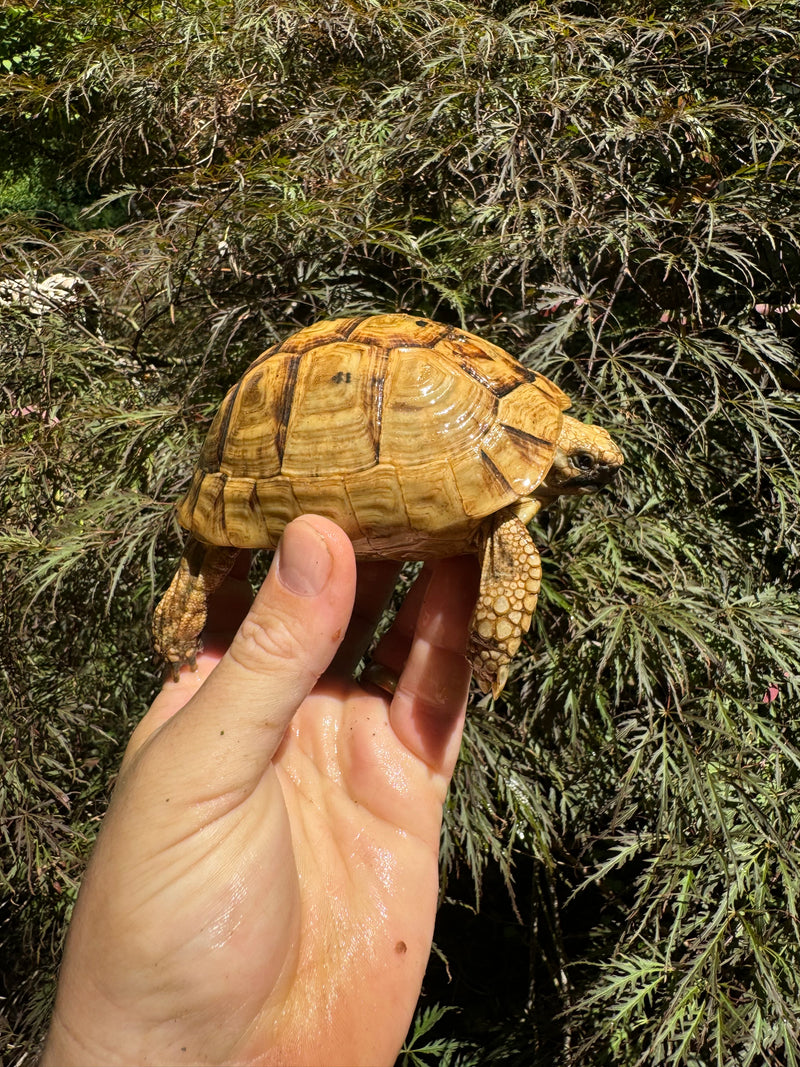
x=181, y=614
x=511, y=574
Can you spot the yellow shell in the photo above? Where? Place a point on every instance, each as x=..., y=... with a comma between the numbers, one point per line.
x=405, y=432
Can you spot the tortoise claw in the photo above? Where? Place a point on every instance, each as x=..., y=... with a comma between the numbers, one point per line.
x=171, y=672
x=172, y=669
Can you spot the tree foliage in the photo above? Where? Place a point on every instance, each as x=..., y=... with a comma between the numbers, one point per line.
x=608, y=190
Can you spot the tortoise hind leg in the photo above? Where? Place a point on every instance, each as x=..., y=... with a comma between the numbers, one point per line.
x=511, y=574
x=181, y=614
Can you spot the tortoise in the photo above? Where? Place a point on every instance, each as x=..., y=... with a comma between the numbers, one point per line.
x=419, y=439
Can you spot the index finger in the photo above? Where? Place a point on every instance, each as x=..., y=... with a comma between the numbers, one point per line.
x=428, y=707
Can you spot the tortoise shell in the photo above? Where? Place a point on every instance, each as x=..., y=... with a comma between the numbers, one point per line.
x=405, y=432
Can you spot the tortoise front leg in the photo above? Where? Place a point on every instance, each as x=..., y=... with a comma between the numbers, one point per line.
x=181, y=613
x=511, y=574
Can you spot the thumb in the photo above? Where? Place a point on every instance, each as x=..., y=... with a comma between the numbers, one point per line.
x=233, y=724
x=293, y=628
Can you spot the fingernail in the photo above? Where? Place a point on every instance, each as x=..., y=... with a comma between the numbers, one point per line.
x=304, y=563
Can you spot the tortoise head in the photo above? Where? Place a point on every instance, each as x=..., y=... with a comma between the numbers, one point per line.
x=585, y=459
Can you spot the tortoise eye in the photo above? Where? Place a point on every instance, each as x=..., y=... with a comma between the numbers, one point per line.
x=583, y=461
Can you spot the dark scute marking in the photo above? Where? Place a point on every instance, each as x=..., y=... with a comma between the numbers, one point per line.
x=484, y=380
x=374, y=401
x=226, y=421
x=501, y=376
x=342, y=377
x=356, y=323
x=525, y=438
x=284, y=404
x=222, y=517
x=421, y=322
x=271, y=351
x=523, y=375
x=446, y=330
x=193, y=494
x=496, y=473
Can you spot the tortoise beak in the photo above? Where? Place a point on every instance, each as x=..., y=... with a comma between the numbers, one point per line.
x=606, y=472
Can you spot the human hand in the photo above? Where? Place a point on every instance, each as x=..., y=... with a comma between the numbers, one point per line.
x=264, y=886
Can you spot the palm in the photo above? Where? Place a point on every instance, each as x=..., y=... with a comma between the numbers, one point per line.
x=289, y=907
x=366, y=848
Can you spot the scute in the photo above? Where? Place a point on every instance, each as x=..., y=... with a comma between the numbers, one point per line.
x=495, y=369
x=406, y=432
x=430, y=409
x=336, y=400
x=397, y=331
x=319, y=333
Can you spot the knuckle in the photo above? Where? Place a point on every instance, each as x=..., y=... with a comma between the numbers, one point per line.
x=272, y=638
